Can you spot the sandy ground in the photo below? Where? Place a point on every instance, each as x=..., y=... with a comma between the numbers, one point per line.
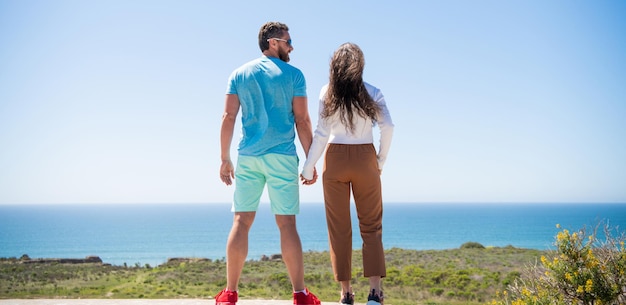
x=143, y=302
x=139, y=302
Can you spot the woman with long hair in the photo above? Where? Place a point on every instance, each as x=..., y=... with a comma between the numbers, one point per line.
x=349, y=109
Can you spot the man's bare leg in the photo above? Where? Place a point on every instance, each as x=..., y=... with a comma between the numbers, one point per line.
x=291, y=248
x=237, y=248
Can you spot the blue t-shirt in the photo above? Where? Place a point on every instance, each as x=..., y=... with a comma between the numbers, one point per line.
x=265, y=88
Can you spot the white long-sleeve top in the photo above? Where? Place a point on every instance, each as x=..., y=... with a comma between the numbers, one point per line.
x=331, y=130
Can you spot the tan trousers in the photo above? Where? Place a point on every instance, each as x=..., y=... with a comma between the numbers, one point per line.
x=353, y=167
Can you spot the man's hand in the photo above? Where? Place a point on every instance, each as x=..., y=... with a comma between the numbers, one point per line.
x=227, y=172
x=309, y=182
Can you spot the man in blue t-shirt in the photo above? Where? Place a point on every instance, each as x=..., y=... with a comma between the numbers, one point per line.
x=272, y=97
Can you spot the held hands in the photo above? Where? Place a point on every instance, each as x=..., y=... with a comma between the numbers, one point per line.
x=227, y=172
x=309, y=182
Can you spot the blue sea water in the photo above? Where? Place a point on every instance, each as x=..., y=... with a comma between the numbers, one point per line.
x=150, y=234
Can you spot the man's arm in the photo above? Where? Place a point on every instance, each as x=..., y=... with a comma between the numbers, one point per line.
x=231, y=109
x=304, y=128
x=303, y=122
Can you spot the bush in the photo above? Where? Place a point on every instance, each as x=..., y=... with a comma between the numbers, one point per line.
x=472, y=245
x=582, y=270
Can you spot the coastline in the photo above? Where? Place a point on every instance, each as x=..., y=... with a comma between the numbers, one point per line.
x=146, y=234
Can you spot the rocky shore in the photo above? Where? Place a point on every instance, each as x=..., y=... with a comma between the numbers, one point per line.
x=25, y=259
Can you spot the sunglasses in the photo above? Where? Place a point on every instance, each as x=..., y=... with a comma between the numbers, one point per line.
x=288, y=41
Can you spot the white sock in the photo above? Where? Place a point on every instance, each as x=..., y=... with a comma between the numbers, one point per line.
x=301, y=291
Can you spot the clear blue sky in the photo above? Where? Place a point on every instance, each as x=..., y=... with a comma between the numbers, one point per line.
x=493, y=101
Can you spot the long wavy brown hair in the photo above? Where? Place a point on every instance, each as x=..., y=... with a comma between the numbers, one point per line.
x=346, y=91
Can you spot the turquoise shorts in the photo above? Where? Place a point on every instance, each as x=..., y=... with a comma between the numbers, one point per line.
x=279, y=172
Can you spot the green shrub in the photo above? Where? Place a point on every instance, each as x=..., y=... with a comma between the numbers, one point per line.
x=436, y=291
x=582, y=270
x=472, y=245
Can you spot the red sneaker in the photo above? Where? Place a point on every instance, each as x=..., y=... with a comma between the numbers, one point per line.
x=226, y=297
x=301, y=298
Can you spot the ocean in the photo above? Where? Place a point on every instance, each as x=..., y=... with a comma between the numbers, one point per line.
x=140, y=234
